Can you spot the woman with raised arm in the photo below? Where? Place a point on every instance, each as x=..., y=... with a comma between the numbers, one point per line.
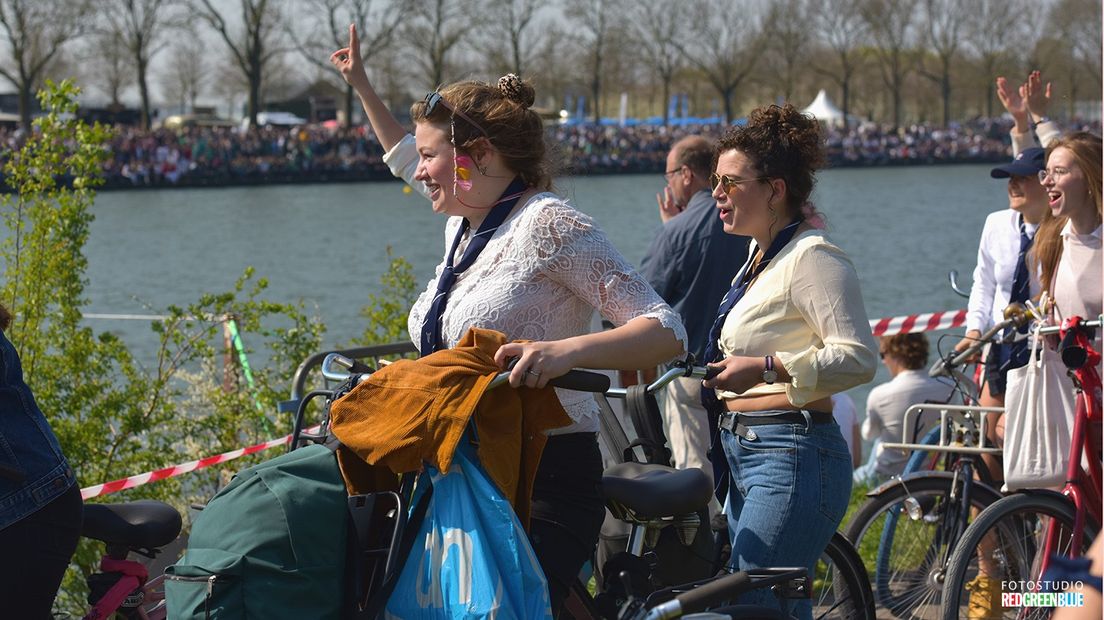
x=791, y=332
x=520, y=260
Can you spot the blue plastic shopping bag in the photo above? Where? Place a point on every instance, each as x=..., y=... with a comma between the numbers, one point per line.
x=471, y=557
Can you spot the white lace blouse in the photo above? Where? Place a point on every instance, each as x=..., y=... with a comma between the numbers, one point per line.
x=540, y=277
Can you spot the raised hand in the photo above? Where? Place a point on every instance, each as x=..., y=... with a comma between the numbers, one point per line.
x=668, y=208
x=1013, y=101
x=1037, y=95
x=348, y=62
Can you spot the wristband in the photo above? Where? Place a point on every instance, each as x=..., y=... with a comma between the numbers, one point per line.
x=1042, y=119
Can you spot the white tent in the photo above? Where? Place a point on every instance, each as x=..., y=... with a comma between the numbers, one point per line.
x=823, y=109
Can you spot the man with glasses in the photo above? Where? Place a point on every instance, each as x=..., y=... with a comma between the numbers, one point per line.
x=691, y=264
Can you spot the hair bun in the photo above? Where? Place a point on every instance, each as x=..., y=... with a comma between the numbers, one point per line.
x=514, y=89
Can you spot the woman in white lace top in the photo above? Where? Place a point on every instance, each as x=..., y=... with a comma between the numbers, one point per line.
x=520, y=260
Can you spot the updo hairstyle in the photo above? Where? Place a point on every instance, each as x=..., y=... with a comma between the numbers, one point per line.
x=503, y=111
x=781, y=143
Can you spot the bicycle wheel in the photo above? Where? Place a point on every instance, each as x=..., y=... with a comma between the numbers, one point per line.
x=840, y=585
x=1004, y=548
x=905, y=556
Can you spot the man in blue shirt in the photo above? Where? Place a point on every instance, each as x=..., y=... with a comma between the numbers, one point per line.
x=691, y=264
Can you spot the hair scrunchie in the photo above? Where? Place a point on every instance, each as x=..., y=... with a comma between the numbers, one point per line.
x=515, y=90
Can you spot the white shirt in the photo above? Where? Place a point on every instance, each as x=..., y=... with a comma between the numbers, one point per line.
x=540, y=277
x=843, y=411
x=806, y=310
x=885, y=414
x=996, y=266
x=1079, y=279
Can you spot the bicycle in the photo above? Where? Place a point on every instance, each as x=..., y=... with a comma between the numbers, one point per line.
x=912, y=523
x=646, y=497
x=1010, y=542
x=650, y=497
x=123, y=589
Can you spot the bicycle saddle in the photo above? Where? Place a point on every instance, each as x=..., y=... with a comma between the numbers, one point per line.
x=144, y=524
x=652, y=491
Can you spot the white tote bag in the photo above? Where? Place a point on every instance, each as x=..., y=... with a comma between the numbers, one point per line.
x=1039, y=405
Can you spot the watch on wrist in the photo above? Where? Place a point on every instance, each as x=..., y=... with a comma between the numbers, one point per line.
x=770, y=375
x=1042, y=119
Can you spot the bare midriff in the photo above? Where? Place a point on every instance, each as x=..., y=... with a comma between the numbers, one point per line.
x=766, y=402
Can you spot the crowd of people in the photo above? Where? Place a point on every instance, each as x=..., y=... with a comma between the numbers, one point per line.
x=221, y=155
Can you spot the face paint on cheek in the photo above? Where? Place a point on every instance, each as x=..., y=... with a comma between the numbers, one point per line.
x=462, y=167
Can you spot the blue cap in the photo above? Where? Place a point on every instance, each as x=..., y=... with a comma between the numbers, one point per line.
x=1027, y=164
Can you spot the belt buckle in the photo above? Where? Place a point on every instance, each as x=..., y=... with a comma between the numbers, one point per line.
x=730, y=421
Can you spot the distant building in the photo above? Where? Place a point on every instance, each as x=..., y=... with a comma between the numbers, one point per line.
x=319, y=102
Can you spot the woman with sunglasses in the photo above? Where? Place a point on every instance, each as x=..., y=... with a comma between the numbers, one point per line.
x=791, y=332
x=520, y=260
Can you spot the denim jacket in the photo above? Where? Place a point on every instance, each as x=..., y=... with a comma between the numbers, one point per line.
x=33, y=471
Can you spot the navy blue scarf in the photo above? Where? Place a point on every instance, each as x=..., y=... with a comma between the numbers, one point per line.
x=739, y=286
x=431, y=325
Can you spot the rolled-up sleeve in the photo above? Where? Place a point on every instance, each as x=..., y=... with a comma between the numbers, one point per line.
x=825, y=290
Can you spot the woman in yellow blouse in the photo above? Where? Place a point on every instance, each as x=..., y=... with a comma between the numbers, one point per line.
x=791, y=332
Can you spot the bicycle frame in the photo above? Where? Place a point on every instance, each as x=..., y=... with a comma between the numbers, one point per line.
x=1085, y=494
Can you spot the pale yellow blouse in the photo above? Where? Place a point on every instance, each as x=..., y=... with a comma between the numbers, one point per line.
x=806, y=310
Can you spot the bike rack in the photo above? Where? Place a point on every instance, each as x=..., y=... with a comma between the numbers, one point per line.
x=960, y=417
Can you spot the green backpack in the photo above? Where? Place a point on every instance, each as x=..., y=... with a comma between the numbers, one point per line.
x=270, y=545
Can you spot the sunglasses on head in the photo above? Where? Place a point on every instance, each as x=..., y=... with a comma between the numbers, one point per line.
x=433, y=99
x=729, y=183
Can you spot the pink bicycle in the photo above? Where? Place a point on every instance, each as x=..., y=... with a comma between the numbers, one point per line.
x=123, y=588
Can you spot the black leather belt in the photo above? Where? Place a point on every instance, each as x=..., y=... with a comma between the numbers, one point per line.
x=738, y=422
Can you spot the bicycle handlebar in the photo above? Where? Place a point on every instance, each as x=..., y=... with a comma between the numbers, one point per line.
x=678, y=369
x=1015, y=315
x=578, y=380
x=701, y=598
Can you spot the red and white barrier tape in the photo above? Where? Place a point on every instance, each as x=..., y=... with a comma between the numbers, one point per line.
x=183, y=468
x=889, y=326
x=913, y=323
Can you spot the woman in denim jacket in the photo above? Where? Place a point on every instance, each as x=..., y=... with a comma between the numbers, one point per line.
x=40, y=504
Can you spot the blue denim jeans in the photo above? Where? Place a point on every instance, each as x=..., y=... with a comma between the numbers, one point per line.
x=791, y=486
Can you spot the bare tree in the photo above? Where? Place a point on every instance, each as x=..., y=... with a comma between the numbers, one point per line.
x=990, y=26
x=724, y=50
x=254, y=45
x=660, y=31
x=184, y=78
x=141, y=26
x=327, y=29
x=437, y=28
x=596, y=20
x=891, y=24
x=110, y=65
x=843, y=30
x=943, y=26
x=33, y=32
x=511, y=37
x=787, y=30
x=1076, y=26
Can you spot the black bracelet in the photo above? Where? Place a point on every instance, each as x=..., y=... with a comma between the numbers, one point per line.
x=1042, y=119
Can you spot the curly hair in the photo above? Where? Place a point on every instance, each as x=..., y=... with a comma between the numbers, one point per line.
x=783, y=144
x=909, y=349
x=503, y=111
